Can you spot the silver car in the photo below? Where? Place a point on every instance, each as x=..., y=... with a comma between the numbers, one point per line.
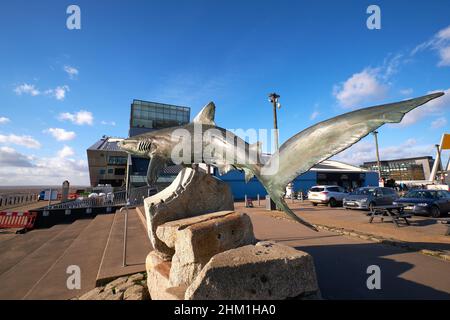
x=369, y=197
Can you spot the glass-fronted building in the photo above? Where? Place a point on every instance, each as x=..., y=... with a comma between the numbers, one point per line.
x=403, y=170
x=147, y=116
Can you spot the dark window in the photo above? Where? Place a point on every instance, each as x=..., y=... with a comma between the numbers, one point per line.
x=110, y=171
x=333, y=189
x=119, y=171
x=317, y=189
x=102, y=171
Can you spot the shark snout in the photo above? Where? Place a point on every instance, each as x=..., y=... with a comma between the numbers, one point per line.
x=128, y=145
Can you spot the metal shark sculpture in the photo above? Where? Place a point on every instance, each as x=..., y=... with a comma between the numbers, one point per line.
x=296, y=156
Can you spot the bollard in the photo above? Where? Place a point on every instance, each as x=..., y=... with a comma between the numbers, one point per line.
x=245, y=199
x=259, y=201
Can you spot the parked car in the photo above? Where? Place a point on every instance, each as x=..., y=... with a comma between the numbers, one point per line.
x=369, y=197
x=328, y=195
x=430, y=202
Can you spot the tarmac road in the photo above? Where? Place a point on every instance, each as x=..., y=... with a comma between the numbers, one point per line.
x=342, y=262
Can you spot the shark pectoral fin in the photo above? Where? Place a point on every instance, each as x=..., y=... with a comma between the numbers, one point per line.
x=248, y=174
x=156, y=164
x=206, y=115
x=224, y=169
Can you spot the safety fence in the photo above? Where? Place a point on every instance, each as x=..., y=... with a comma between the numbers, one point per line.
x=15, y=200
x=116, y=199
x=23, y=220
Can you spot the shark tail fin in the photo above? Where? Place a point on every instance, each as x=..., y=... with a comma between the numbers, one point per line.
x=276, y=194
x=279, y=201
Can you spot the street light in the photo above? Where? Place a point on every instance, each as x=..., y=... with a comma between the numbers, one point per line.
x=375, y=134
x=273, y=98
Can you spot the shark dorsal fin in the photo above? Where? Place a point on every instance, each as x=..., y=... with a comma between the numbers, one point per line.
x=206, y=115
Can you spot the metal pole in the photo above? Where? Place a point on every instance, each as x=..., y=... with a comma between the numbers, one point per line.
x=50, y=198
x=127, y=200
x=259, y=200
x=375, y=134
x=439, y=161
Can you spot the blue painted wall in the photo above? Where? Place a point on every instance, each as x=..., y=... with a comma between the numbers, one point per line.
x=235, y=179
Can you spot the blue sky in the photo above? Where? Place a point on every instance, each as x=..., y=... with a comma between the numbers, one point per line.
x=61, y=90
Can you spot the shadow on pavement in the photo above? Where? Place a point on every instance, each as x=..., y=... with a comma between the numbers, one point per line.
x=341, y=272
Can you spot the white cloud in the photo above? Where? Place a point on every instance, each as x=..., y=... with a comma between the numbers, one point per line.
x=19, y=169
x=27, y=89
x=314, y=115
x=80, y=118
x=59, y=92
x=71, y=71
x=406, y=92
x=360, y=88
x=9, y=157
x=65, y=152
x=435, y=107
x=61, y=134
x=108, y=123
x=444, y=53
x=439, y=123
x=26, y=141
x=439, y=43
x=4, y=120
x=364, y=151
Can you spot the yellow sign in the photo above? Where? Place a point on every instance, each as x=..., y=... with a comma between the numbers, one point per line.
x=446, y=142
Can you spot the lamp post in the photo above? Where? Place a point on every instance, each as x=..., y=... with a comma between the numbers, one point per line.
x=273, y=98
x=375, y=134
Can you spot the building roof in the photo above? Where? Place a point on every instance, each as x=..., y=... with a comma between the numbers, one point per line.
x=337, y=166
x=402, y=159
x=106, y=144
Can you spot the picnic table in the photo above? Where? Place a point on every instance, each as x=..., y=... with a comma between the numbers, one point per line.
x=396, y=213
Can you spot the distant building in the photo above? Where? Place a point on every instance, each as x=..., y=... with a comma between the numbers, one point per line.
x=108, y=164
x=147, y=116
x=408, y=170
x=326, y=173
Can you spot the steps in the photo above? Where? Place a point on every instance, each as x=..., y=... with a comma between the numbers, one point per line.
x=138, y=246
x=86, y=252
x=15, y=249
x=19, y=279
x=34, y=265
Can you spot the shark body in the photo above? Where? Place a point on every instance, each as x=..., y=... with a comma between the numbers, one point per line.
x=296, y=156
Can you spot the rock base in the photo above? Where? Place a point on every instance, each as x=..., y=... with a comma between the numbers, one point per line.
x=215, y=258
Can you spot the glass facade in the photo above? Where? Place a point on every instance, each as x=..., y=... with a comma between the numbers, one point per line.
x=152, y=115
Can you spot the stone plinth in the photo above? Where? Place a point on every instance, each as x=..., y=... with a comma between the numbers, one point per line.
x=196, y=240
x=264, y=271
x=192, y=193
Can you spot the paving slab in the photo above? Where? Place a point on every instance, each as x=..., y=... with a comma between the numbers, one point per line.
x=18, y=280
x=86, y=253
x=138, y=246
x=341, y=262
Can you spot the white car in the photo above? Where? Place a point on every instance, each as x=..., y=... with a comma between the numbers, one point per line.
x=328, y=195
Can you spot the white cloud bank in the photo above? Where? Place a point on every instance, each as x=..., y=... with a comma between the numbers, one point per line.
x=364, y=151
x=20, y=169
x=439, y=43
x=61, y=134
x=71, y=71
x=24, y=140
x=80, y=118
x=59, y=93
x=4, y=120
x=360, y=88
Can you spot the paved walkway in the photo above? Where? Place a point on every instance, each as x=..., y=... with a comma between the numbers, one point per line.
x=424, y=232
x=34, y=265
x=341, y=262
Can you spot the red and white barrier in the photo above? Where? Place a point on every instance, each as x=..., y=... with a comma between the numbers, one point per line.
x=24, y=220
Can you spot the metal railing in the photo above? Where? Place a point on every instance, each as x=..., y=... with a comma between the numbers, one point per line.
x=116, y=199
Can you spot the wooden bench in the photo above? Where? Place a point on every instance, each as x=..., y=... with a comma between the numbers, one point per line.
x=395, y=213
